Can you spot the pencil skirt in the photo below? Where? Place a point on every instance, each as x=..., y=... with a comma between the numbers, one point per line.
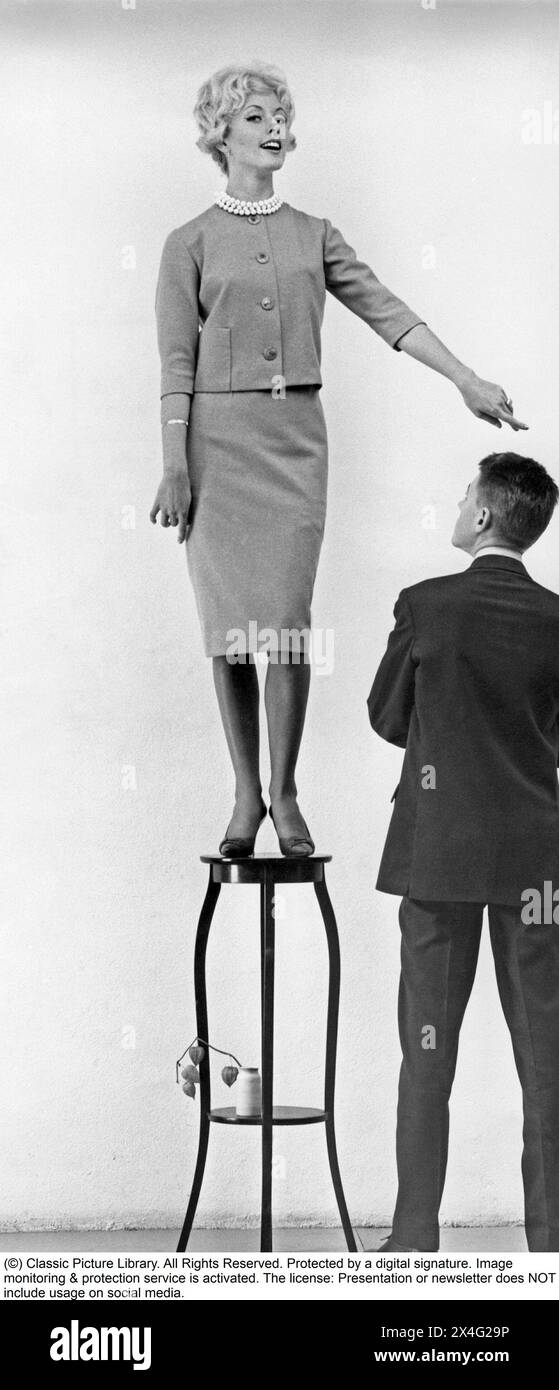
x=258, y=468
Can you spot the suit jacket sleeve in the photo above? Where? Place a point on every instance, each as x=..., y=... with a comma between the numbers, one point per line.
x=390, y=703
x=177, y=315
x=356, y=285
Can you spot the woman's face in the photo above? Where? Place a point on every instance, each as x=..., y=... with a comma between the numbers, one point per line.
x=257, y=134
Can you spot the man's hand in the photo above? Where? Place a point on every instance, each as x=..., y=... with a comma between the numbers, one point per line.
x=488, y=401
x=173, y=501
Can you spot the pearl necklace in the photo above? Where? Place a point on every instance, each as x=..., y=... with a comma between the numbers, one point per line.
x=242, y=208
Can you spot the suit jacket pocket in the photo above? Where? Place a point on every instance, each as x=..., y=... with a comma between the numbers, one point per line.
x=213, y=370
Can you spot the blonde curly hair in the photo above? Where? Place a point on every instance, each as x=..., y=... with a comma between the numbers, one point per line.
x=225, y=93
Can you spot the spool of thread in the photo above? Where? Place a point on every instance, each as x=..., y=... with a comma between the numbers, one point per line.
x=249, y=1092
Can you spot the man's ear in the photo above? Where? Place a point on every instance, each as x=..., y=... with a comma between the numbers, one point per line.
x=483, y=519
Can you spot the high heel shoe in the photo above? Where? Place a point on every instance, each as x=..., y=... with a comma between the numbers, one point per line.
x=234, y=848
x=295, y=846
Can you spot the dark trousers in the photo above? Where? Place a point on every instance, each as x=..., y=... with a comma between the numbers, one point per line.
x=440, y=946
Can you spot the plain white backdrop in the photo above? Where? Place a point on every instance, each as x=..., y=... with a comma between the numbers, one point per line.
x=412, y=134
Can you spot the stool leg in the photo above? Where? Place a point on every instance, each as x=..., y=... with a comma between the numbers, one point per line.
x=331, y=1045
x=262, y=944
x=267, y=929
x=204, y=923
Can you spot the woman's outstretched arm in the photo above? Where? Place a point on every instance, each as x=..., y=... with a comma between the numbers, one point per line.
x=355, y=284
x=485, y=399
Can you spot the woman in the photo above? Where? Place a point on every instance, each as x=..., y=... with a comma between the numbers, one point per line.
x=239, y=303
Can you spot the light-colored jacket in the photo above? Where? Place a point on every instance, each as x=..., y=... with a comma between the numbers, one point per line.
x=240, y=300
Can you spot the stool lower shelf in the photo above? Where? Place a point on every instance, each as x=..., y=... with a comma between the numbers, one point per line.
x=281, y=1115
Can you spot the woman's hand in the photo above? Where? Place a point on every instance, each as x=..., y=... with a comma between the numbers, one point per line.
x=173, y=501
x=488, y=401
x=484, y=399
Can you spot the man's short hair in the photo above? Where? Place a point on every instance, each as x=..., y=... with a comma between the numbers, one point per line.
x=521, y=496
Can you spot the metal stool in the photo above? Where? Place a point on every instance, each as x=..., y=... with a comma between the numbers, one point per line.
x=267, y=870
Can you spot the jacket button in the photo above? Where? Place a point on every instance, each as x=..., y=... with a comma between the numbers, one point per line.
x=263, y=257
x=269, y=354
x=254, y=218
x=266, y=302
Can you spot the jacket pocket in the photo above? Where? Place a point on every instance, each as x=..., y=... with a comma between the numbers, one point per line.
x=213, y=368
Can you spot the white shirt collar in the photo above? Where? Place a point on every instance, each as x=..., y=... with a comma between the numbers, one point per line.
x=498, y=550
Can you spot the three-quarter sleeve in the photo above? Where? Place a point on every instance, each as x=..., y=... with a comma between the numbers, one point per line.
x=177, y=316
x=354, y=283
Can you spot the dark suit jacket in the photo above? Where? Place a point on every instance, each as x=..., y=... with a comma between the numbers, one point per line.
x=469, y=686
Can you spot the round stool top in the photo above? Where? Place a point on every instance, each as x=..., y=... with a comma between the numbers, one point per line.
x=261, y=868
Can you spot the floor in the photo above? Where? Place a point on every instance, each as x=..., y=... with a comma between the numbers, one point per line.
x=290, y=1239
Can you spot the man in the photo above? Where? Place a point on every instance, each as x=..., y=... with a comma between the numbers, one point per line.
x=469, y=686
